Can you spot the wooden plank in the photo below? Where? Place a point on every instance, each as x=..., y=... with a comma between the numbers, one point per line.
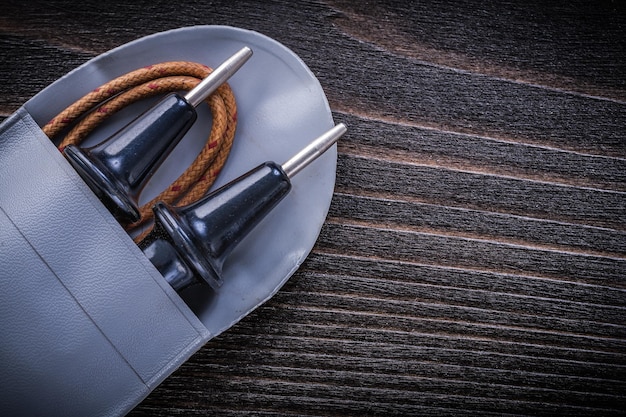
x=386, y=269
x=483, y=191
x=357, y=240
x=391, y=212
x=415, y=144
x=444, y=99
x=550, y=44
x=266, y=356
x=474, y=307
x=26, y=77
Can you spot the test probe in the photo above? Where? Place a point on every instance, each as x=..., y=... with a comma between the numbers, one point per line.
x=190, y=244
x=118, y=168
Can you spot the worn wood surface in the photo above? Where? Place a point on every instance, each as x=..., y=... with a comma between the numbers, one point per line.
x=474, y=257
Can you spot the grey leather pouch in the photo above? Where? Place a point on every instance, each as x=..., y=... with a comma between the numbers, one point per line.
x=88, y=326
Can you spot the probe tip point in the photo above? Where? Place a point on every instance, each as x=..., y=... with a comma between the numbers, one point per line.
x=313, y=150
x=218, y=76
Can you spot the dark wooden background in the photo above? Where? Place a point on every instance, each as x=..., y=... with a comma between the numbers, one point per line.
x=474, y=257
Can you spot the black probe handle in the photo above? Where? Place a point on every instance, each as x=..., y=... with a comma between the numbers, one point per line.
x=204, y=233
x=225, y=217
x=135, y=149
x=118, y=168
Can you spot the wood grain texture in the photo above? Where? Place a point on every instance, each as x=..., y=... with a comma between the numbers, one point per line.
x=474, y=257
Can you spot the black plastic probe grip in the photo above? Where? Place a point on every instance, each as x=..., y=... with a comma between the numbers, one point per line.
x=117, y=169
x=203, y=234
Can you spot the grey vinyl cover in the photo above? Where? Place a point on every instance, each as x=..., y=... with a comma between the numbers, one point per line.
x=87, y=325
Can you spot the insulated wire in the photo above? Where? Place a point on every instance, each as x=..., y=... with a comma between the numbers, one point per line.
x=84, y=115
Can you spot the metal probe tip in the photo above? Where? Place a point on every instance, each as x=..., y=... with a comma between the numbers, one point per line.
x=313, y=150
x=218, y=77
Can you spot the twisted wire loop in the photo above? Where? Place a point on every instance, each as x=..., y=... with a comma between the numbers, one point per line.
x=84, y=115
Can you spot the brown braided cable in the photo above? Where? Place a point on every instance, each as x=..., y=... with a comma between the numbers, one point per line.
x=89, y=111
